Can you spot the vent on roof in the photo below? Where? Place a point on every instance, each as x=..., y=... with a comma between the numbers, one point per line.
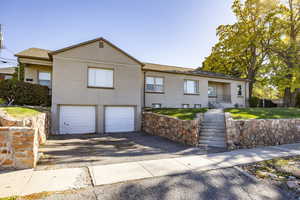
x=101, y=45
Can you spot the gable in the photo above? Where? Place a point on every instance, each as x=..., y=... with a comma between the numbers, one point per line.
x=97, y=50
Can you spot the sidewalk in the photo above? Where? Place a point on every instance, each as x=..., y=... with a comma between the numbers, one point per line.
x=26, y=182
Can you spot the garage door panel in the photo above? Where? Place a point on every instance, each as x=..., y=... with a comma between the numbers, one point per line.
x=77, y=119
x=119, y=119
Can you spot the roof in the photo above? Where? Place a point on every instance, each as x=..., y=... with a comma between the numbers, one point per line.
x=35, y=53
x=188, y=71
x=95, y=40
x=7, y=70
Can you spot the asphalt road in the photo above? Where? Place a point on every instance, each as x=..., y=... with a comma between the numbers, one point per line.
x=227, y=184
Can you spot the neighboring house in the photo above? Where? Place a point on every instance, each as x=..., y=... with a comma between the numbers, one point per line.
x=7, y=73
x=99, y=88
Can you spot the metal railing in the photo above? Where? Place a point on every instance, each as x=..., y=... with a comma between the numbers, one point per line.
x=220, y=99
x=154, y=88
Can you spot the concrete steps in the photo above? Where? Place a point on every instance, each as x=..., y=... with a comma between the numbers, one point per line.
x=212, y=133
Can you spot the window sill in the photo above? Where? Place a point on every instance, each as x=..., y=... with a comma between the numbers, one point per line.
x=95, y=87
x=154, y=92
x=191, y=93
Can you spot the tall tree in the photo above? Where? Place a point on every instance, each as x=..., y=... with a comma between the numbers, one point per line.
x=286, y=47
x=243, y=47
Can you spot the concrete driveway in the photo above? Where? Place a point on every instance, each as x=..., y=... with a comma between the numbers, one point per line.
x=85, y=150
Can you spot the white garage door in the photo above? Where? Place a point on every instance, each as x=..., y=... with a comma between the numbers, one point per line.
x=77, y=119
x=119, y=119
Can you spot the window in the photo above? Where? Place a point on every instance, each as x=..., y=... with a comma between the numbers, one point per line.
x=45, y=79
x=190, y=87
x=8, y=77
x=212, y=91
x=98, y=77
x=154, y=84
x=239, y=90
x=185, y=105
x=197, y=106
x=156, y=105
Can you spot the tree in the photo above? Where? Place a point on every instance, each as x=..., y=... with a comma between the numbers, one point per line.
x=286, y=47
x=243, y=47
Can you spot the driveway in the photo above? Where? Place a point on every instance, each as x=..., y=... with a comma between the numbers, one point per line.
x=85, y=150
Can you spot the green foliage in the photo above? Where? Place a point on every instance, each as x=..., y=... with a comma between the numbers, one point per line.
x=180, y=113
x=19, y=73
x=20, y=112
x=2, y=101
x=254, y=102
x=264, y=113
x=22, y=93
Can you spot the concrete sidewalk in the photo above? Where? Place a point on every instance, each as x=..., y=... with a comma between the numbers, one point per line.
x=26, y=182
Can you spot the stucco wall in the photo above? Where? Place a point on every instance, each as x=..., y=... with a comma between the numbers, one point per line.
x=174, y=96
x=260, y=132
x=69, y=86
x=31, y=72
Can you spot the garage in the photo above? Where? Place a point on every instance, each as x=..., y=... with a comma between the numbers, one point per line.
x=77, y=119
x=119, y=119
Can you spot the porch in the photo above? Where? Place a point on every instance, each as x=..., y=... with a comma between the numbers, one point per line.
x=219, y=93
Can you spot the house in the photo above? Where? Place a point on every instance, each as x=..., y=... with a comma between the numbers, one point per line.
x=99, y=88
x=7, y=73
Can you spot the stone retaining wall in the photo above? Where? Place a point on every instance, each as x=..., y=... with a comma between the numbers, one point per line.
x=18, y=147
x=183, y=131
x=20, y=140
x=261, y=132
x=41, y=122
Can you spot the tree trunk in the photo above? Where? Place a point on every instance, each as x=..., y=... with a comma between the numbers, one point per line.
x=250, y=89
x=287, y=97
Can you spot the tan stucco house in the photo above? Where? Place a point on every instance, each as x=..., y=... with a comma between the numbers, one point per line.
x=97, y=87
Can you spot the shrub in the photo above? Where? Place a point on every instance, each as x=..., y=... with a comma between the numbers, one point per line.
x=254, y=102
x=22, y=93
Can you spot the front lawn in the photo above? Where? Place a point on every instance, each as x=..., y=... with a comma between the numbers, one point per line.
x=180, y=113
x=19, y=112
x=264, y=113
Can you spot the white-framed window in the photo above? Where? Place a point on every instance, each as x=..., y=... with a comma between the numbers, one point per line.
x=185, y=105
x=197, y=106
x=212, y=91
x=154, y=84
x=45, y=78
x=191, y=87
x=99, y=77
x=239, y=90
x=6, y=77
x=156, y=105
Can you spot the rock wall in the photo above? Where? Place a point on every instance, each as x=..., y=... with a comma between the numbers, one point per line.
x=183, y=131
x=18, y=147
x=261, y=132
x=41, y=122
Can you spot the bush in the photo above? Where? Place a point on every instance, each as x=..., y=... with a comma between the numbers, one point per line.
x=254, y=102
x=22, y=93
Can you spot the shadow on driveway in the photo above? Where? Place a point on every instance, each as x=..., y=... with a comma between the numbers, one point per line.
x=83, y=150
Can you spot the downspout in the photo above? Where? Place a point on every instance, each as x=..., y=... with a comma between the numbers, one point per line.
x=144, y=94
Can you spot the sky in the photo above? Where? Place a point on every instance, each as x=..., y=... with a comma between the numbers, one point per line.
x=172, y=32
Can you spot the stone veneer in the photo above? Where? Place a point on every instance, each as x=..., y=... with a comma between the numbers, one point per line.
x=183, y=131
x=41, y=122
x=253, y=133
x=18, y=147
x=20, y=139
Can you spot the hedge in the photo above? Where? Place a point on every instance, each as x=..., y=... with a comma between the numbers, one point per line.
x=22, y=93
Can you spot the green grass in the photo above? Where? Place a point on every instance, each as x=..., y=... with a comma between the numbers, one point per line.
x=20, y=112
x=264, y=113
x=180, y=113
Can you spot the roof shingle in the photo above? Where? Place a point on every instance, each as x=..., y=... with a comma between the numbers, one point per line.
x=34, y=53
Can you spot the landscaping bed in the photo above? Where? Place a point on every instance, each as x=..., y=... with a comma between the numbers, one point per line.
x=180, y=113
x=282, y=172
x=264, y=113
x=19, y=112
